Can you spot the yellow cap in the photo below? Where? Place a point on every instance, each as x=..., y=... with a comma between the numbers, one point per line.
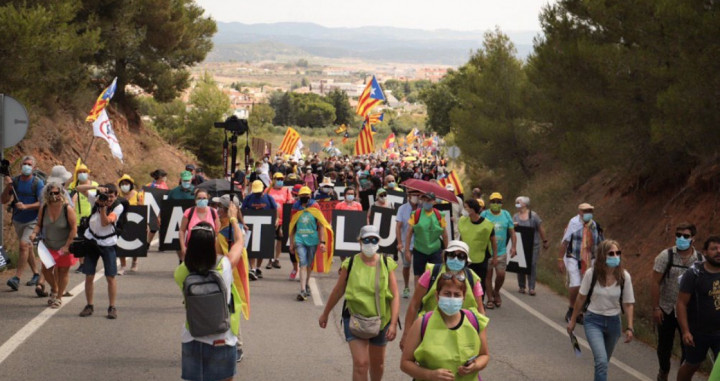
x=125, y=177
x=496, y=196
x=82, y=168
x=278, y=175
x=481, y=202
x=304, y=191
x=257, y=186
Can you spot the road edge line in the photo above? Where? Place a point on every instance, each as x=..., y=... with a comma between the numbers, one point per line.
x=315, y=291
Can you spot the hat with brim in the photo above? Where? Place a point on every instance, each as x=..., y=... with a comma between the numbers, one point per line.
x=224, y=200
x=327, y=182
x=585, y=206
x=126, y=177
x=430, y=196
x=369, y=231
x=257, y=186
x=496, y=196
x=458, y=246
x=185, y=176
x=304, y=191
x=278, y=175
x=59, y=175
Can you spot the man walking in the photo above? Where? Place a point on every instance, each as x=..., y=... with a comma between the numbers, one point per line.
x=670, y=265
x=427, y=228
x=26, y=190
x=504, y=230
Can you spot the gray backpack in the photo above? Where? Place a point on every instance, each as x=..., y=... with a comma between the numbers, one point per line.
x=206, y=308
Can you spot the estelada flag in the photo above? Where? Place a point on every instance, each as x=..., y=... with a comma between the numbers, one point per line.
x=240, y=276
x=453, y=179
x=365, y=143
x=289, y=141
x=376, y=118
x=323, y=260
x=370, y=97
x=102, y=101
x=389, y=142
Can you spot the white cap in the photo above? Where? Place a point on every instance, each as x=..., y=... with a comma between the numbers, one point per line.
x=369, y=231
x=457, y=245
x=224, y=200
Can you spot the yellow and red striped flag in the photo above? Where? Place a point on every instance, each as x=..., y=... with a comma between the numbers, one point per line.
x=370, y=97
x=389, y=142
x=365, y=143
x=289, y=141
x=102, y=101
x=453, y=179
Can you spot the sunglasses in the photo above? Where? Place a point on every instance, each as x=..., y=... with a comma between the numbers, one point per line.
x=495, y=201
x=460, y=276
x=54, y=193
x=614, y=253
x=686, y=236
x=371, y=240
x=456, y=254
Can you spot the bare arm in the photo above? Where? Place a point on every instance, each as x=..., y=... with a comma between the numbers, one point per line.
x=579, y=303
x=629, y=314
x=513, y=239
x=681, y=311
x=335, y=295
x=412, y=311
x=72, y=221
x=183, y=233
x=398, y=233
x=394, y=305
x=655, y=296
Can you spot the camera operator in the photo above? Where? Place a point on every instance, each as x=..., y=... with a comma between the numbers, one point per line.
x=25, y=191
x=105, y=214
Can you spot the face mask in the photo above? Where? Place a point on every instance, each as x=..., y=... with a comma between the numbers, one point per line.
x=201, y=203
x=450, y=306
x=82, y=176
x=427, y=206
x=257, y=171
x=350, y=197
x=382, y=199
x=587, y=217
x=304, y=200
x=682, y=243
x=125, y=188
x=518, y=205
x=455, y=264
x=392, y=185
x=265, y=160
x=308, y=171
x=325, y=190
x=278, y=184
x=495, y=207
x=185, y=184
x=612, y=261
x=26, y=169
x=369, y=249
x=413, y=199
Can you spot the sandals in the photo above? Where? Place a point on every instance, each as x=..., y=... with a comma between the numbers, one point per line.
x=498, y=301
x=40, y=291
x=490, y=305
x=56, y=303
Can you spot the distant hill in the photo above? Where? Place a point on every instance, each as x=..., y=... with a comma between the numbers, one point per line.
x=252, y=42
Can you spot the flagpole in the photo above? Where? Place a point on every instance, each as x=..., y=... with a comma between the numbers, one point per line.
x=88, y=150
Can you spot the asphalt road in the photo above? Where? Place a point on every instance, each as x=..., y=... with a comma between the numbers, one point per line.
x=282, y=340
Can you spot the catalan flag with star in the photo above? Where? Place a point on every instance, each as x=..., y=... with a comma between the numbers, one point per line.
x=102, y=101
x=370, y=97
x=289, y=142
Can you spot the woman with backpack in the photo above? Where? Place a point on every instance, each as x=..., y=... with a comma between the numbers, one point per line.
x=209, y=335
x=606, y=291
x=447, y=343
x=58, y=228
x=370, y=314
x=201, y=212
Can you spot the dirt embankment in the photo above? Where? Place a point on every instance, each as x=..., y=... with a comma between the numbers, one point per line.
x=64, y=137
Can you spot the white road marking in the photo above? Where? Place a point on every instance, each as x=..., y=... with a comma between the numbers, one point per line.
x=33, y=325
x=563, y=330
x=315, y=291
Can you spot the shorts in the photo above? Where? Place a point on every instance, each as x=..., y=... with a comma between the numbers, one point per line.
x=24, y=229
x=501, y=263
x=696, y=355
x=109, y=258
x=420, y=260
x=202, y=361
x=306, y=254
x=405, y=264
x=573, y=271
x=279, y=233
x=379, y=341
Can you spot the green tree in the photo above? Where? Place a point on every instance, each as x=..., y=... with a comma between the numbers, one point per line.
x=343, y=112
x=210, y=105
x=282, y=104
x=43, y=54
x=439, y=99
x=314, y=113
x=262, y=115
x=149, y=43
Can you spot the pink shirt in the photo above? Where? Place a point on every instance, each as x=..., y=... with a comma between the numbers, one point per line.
x=281, y=196
x=425, y=282
x=349, y=206
x=196, y=220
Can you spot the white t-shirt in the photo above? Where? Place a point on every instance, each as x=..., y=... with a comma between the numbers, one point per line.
x=228, y=336
x=606, y=300
x=98, y=229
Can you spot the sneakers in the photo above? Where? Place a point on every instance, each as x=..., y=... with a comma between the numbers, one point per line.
x=307, y=290
x=302, y=296
x=269, y=265
x=239, y=354
x=87, y=311
x=252, y=275
x=276, y=264
x=13, y=283
x=406, y=293
x=293, y=275
x=258, y=273
x=121, y=270
x=112, y=312
x=34, y=280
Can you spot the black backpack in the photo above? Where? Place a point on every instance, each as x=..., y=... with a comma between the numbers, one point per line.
x=121, y=219
x=671, y=253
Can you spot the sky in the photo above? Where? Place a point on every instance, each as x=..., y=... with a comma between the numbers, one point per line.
x=465, y=15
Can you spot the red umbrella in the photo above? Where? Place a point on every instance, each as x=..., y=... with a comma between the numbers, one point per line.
x=427, y=187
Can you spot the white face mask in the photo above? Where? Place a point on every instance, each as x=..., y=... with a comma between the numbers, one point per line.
x=82, y=176
x=125, y=188
x=369, y=249
x=414, y=199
